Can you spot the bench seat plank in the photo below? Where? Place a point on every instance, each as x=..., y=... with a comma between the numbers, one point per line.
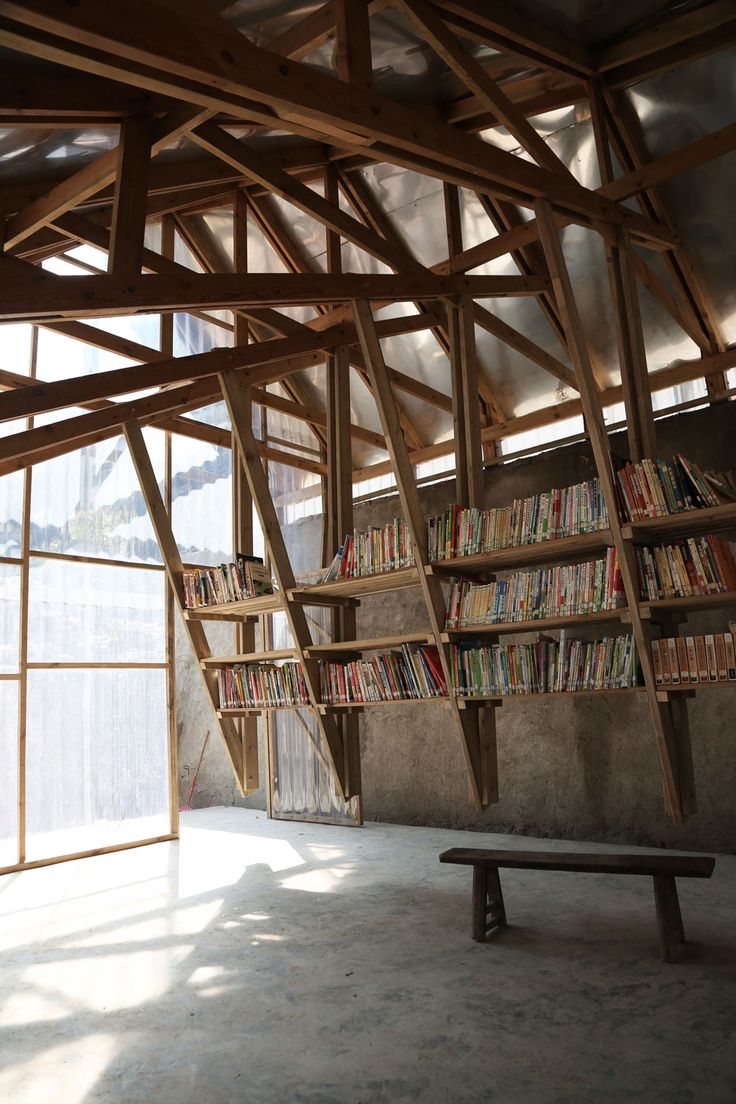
x=584, y=862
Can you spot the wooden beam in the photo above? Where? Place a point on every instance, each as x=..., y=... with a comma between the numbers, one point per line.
x=92, y=177
x=131, y=194
x=353, y=37
x=51, y=296
x=234, y=75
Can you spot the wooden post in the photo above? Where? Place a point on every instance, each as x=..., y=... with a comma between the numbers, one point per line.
x=245, y=631
x=166, y=322
x=669, y=917
x=674, y=765
x=465, y=721
x=131, y=197
x=626, y=307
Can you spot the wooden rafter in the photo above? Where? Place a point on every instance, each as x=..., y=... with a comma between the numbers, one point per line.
x=266, y=87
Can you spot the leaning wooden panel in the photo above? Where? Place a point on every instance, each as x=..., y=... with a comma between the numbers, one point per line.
x=246, y=773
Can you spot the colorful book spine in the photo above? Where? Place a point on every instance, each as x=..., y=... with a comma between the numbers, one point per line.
x=372, y=552
x=414, y=672
x=690, y=660
x=260, y=685
x=562, y=591
x=248, y=577
x=562, y=512
x=653, y=488
x=685, y=568
x=545, y=667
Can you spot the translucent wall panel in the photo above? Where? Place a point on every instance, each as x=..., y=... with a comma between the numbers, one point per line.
x=11, y=500
x=89, y=502
x=82, y=612
x=201, y=500
x=97, y=759
x=9, y=617
x=59, y=357
x=8, y=773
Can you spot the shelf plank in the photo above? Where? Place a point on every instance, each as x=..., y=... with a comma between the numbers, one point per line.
x=325, y=707
x=254, y=710
x=356, y=588
x=525, y=555
x=372, y=645
x=464, y=701
x=712, y=519
x=250, y=657
x=671, y=688
x=695, y=602
x=236, y=611
x=602, y=616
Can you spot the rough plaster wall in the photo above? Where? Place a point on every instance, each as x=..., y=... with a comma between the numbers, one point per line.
x=583, y=768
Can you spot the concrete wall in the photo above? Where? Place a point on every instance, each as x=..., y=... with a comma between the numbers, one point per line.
x=583, y=768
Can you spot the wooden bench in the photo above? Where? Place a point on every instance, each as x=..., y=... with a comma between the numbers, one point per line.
x=489, y=913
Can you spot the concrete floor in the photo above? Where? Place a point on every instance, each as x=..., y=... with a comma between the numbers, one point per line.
x=275, y=962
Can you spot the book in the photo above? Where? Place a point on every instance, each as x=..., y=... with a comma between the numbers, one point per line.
x=247, y=577
x=685, y=568
x=259, y=685
x=559, y=591
x=657, y=662
x=682, y=659
x=372, y=552
x=561, y=512
x=654, y=488
x=413, y=672
x=547, y=666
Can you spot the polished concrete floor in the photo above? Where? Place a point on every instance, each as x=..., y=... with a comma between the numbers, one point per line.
x=275, y=962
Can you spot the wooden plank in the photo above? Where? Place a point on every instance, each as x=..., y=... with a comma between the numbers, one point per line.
x=372, y=644
x=473, y=459
x=661, y=718
x=174, y=568
x=130, y=200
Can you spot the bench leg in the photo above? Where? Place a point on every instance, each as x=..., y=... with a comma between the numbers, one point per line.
x=669, y=917
x=488, y=907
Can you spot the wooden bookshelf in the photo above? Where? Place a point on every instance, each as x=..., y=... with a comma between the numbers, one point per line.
x=327, y=707
x=255, y=710
x=538, y=624
x=521, y=556
x=361, y=587
x=690, y=523
x=688, y=605
x=375, y=644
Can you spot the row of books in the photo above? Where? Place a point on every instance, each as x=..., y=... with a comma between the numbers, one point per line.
x=698, y=565
x=258, y=685
x=530, y=595
x=248, y=577
x=414, y=672
x=372, y=551
x=687, y=660
x=563, y=512
x=653, y=488
x=546, y=667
